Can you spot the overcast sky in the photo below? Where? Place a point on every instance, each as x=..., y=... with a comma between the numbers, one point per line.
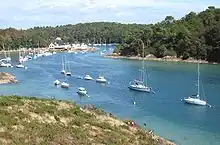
x=29, y=13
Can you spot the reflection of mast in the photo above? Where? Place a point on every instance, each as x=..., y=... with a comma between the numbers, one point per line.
x=198, y=81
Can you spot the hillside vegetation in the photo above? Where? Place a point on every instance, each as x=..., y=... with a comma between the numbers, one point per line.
x=34, y=121
x=194, y=35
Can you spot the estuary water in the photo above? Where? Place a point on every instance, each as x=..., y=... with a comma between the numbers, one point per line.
x=163, y=112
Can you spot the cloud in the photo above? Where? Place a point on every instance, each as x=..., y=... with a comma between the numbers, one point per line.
x=28, y=13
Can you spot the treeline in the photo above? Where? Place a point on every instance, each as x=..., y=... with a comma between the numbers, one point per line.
x=195, y=35
x=97, y=32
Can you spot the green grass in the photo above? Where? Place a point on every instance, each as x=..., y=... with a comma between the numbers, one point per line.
x=53, y=124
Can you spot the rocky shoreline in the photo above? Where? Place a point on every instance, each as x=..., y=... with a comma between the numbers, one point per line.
x=153, y=58
x=7, y=78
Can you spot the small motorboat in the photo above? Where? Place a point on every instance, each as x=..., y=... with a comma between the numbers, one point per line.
x=101, y=79
x=88, y=77
x=20, y=65
x=82, y=91
x=29, y=57
x=68, y=73
x=65, y=85
x=57, y=82
x=5, y=65
x=63, y=71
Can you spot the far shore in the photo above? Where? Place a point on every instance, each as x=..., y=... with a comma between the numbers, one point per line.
x=90, y=49
x=153, y=58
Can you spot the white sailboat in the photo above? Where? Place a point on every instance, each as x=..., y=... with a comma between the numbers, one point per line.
x=101, y=79
x=195, y=99
x=68, y=73
x=64, y=84
x=57, y=82
x=88, y=77
x=20, y=65
x=82, y=91
x=5, y=64
x=63, y=67
x=139, y=85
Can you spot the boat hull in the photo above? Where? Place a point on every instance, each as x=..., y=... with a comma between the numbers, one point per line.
x=101, y=81
x=144, y=89
x=193, y=101
x=82, y=93
x=68, y=74
x=88, y=78
x=19, y=66
x=65, y=85
x=57, y=82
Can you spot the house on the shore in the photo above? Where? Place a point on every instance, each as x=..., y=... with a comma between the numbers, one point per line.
x=51, y=46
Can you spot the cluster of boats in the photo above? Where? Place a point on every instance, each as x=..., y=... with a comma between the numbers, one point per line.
x=81, y=90
x=139, y=85
x=6, y=62
x=66, y=72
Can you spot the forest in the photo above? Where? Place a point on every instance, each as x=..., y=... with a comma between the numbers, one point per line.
x=195, y=35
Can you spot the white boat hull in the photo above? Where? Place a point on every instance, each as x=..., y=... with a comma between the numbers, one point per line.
x=101, y=80
x=20, y=66
x=63, y=72
x=5, y=65
x=195, y=101
x=65, y=85
x=57, y=82
x=68, y=74
x=140, y=89
x=82, y=92
x=88, y=78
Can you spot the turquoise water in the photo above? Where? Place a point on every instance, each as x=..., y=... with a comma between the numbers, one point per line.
x=163, y=112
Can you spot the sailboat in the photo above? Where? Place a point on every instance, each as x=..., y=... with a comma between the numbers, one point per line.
x=138, y=85
x=101, y=79
x=63, y=67
x=195, y=99
x=68, y=73
x=64, y=84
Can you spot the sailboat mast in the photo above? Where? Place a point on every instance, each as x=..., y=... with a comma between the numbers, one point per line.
x=62, y=64
x=143, y=62
x=198, y=80
x=4, y=49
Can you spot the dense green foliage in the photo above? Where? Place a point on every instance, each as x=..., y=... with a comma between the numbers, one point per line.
x=195, y=35
x=104, y=32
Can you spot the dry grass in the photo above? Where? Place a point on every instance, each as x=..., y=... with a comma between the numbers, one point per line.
x=40, y=121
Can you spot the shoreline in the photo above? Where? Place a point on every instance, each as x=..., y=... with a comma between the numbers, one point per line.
x=70, y=119
x=7, y=78
x=88, y=49
x=152, y=58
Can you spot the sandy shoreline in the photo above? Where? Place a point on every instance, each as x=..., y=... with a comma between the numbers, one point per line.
x=168, y=59
x=7, y=78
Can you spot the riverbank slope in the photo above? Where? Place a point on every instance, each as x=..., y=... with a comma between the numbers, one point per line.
x=7, y=78
x=151, y=57
x=31, y=120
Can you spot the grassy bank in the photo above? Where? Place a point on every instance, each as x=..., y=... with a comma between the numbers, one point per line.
x=29, y=121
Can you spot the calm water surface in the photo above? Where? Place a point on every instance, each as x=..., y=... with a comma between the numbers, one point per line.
x=163, y=112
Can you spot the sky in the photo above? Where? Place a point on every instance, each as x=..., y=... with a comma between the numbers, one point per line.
x=29, y=13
